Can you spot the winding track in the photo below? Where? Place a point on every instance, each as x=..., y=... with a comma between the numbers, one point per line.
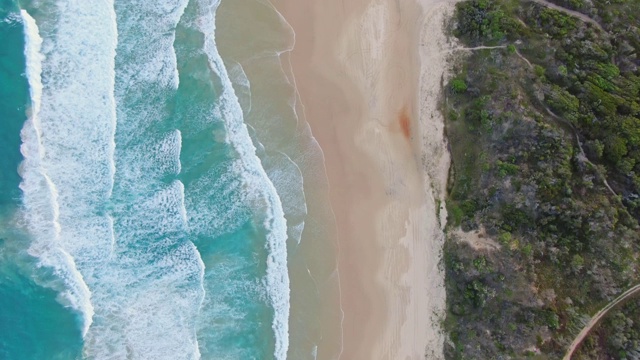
x=596, y=318
x=491, y=47
x=582, y=153
x=579, y=15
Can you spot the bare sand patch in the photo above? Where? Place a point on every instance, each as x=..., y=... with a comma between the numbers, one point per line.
x=477, y=239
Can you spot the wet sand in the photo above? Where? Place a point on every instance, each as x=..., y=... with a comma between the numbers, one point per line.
x=254, y=41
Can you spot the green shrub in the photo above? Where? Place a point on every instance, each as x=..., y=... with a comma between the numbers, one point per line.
x=505, y=168
x=455, y=213
x=505, y=238
x=563, y=103
x=458, y=86
x=483, y=20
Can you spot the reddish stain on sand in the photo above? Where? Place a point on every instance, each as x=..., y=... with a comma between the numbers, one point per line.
x=405, y=123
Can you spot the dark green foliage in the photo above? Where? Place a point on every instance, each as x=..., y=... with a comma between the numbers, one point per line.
x=505, y=169
x=477, y=293
x=556, y=23
x=563, y=103
x=458, y=86
x=483, y=20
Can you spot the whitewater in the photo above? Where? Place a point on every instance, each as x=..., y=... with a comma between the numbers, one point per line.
x=147, y=208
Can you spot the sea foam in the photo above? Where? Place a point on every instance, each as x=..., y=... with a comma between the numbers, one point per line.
x=254, y=175
x=103, y=196
x=149, y=294
x=99, y=200
x=40, y=201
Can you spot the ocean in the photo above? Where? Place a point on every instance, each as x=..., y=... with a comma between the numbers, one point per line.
x=161, y=196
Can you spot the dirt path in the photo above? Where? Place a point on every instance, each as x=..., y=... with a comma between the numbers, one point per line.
x=524, y=58
x=597, y=317
x=582, y=155
x=481, y=47
x=489, y=48
x=581, y=16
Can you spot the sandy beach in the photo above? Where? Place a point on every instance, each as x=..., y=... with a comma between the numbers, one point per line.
x=369, y=76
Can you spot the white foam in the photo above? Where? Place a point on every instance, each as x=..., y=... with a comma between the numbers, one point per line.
x=111, y=149
x=254, y=175
x=40, y=202
x=156, y=58
x=202, y=268
x=34, y=58
x=182, y=207
x=154, y=156
x=288, y=181
x=243, y=86
x=178, y=136
x=145, y=297
x=13, y=18
x=148, y=296
x=112, y=236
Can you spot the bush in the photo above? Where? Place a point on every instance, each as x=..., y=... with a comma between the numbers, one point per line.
x=577, y=262
x=505, y=169
x=505, y=238
x=595, y=149
x=458, y=86
x=455, y=213
x=563, y=103
x=483, y=20
x=553, y=321
x=615, y=149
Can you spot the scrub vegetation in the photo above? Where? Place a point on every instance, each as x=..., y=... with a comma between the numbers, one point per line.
x=545, y=142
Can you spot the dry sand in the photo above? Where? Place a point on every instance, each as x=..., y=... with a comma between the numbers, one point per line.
x=369, y=75
x=477, y=239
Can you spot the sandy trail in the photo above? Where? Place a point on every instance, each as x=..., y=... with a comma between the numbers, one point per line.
x=633, y=291
x=579, y=15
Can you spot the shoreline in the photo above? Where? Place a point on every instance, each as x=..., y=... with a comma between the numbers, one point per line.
x=288, y=148
x=386, y=161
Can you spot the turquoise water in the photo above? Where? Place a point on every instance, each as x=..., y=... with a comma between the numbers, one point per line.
x=33, y=325
x=14, y=97
x=137, y=219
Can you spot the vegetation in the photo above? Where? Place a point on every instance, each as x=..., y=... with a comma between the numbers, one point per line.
x=546, y=159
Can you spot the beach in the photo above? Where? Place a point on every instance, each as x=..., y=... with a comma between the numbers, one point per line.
x=271, y=179
x=369, y=77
